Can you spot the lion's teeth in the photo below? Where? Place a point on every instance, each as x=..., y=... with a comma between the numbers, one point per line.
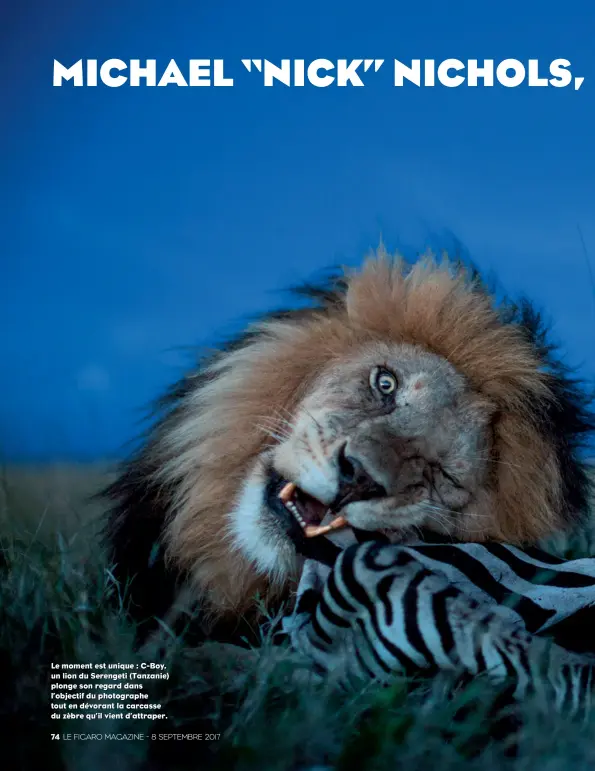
x=288, y=492
x=311, y=531
x=286, y=496
x=294, y=510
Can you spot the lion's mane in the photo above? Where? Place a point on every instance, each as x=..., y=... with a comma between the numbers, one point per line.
x=170, y=501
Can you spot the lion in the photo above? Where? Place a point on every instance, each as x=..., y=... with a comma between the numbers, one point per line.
x=402, y=398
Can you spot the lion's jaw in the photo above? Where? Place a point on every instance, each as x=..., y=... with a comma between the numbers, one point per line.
x=425, y=447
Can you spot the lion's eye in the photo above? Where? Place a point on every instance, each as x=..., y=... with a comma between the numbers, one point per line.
x=383, y=381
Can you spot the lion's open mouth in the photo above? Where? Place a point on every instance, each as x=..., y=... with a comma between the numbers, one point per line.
x=308, y=511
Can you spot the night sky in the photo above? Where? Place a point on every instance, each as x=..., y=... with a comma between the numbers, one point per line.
x=139, y=221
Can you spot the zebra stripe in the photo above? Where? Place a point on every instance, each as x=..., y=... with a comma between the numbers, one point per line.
x=466, y=608
x=533, y=591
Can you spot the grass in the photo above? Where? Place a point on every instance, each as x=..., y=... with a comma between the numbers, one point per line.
x=59, y=604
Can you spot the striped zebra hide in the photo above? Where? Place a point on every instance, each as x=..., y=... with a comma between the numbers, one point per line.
x=370, y=609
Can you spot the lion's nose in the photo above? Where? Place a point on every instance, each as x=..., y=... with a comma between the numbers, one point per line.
x=355, y=482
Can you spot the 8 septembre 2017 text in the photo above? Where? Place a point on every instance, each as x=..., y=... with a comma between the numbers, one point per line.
x=319, y=73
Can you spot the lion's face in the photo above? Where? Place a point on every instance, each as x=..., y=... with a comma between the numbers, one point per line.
x=402, y=397
x=392, y=437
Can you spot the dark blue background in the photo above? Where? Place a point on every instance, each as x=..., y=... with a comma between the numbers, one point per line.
x=138, y=220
